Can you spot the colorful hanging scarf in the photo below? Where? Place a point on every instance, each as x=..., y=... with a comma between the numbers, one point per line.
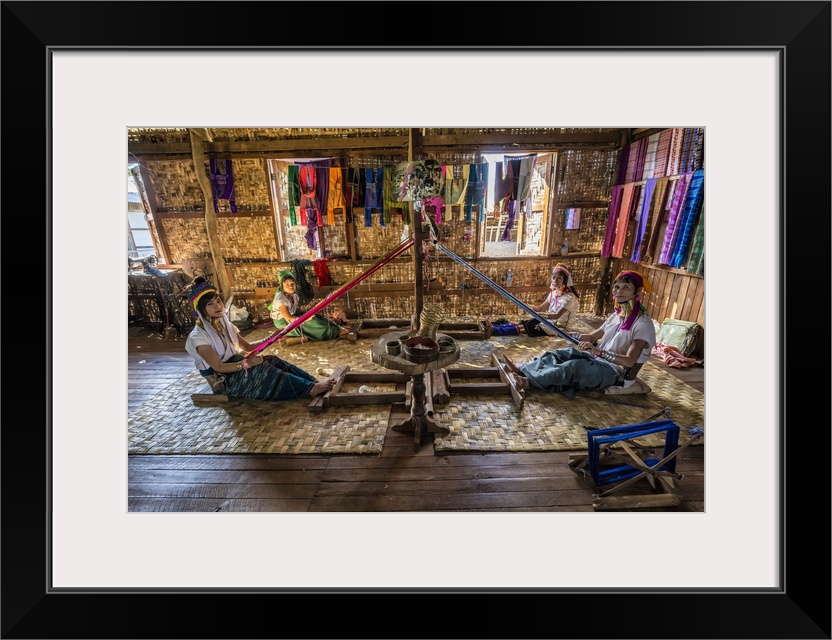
x=696, y=261
x=690, y=217
x=336, y=194
x=653, y=201
x=662, y=154
x=294, y=193
x=672, y=228
x=311, y=234
x=623, y=163
x=650, y=156
x=455, y=187
x=222, y=183
x=658, y=210
x=629, y=200
x=477, y=190
x=372, y=195
x=389, y=193
x=322, y=187
x=612, y=220
x=643, y=216
x=676, y=136
x=505, y=236
x=354, y=189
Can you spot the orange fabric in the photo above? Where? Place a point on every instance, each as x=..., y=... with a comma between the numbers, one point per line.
x=336, y=194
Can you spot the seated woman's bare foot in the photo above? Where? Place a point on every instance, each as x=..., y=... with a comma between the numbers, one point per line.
x=510, y=365
x=322, y=386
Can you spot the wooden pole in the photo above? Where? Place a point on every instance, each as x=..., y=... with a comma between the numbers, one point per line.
x=198, y=138
x=418, y=236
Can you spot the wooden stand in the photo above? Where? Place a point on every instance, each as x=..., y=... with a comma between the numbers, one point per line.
x=342, y=375
x=421, y=399
x=506, y=384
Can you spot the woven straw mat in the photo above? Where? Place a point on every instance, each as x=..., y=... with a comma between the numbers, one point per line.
x=171, y=423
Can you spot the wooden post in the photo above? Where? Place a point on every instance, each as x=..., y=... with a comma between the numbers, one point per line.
x=198, y=138
x=418, y=236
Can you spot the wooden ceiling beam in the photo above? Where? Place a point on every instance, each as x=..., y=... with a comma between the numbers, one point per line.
x=328, y=146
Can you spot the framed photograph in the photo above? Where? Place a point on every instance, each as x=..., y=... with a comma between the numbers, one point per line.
x=756, y=75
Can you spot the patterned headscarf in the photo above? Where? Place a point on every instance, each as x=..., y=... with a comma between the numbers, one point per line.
x=631, y=308
x=198, y=291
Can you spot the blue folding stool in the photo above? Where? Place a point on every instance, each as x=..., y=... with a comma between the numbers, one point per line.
x=615, y=459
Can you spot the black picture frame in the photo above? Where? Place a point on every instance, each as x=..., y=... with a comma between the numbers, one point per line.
x=799, y=609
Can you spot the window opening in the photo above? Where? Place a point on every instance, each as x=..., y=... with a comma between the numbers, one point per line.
x=517, y=228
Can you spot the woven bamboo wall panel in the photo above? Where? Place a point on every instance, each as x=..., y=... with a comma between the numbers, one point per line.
x=187, y=238
x=248, y=277
x=335, y=236
x=586, y=175
x=375, y=241
x=174, y=185
x=246, y=237
x=590, y=236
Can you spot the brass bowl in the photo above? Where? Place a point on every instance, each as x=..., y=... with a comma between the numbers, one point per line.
x=421, y=349
x=446, y=344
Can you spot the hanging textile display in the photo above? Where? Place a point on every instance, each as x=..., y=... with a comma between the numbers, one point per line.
x=456, y=183
x=696, y=261
x=654, y=211
x=322, y=272
x=641, y=218
x=354, y=191
x=674, y=154
x=389, y=193
x=419, y=180
x=477, y=190
x=311, y=234
x=650, y=156
x=372, y=194
x=511, y=210
x=629, y=199
x=662, y=198
x=336, y=194
x=623, y=164
x=662, y=154
x=436, y=205
x=322, y=187
x=692, y=147
x=690, y=218
x=222, y=183
x=672, y=228
x=308, y=180
x=612, y=220
x=524, y=177
x=503, y=185
x=293, y=188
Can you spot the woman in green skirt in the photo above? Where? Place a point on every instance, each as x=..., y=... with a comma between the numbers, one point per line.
x=284, y=309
